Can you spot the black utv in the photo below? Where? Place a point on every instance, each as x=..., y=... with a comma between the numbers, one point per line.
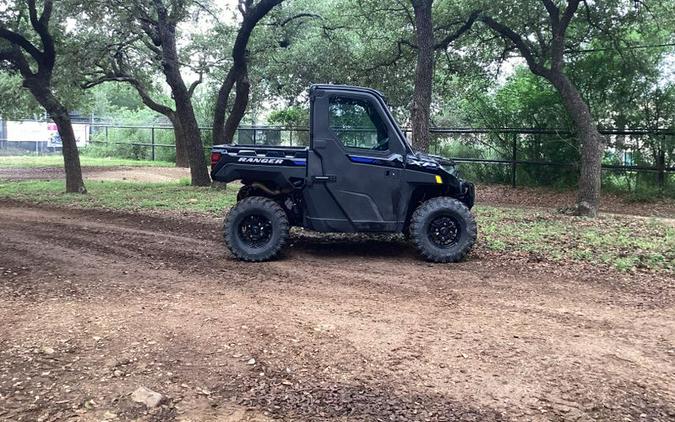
x=359, y=174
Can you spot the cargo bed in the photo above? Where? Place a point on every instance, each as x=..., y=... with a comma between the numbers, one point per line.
x=284, y=167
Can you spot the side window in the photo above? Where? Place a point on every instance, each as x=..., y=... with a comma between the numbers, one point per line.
x=357, y=124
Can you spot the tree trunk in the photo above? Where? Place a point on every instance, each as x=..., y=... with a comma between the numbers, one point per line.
x=238, y=74
x=220, y=108
x=592, y=145
x=243, y=88
x=181, y=147
x=59, y=114
x=193, y=142
x=424, y=71
x=71, y=156
x=185, y=113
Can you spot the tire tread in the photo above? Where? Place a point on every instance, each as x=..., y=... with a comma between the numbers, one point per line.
x=417, y=223
x=244, y=205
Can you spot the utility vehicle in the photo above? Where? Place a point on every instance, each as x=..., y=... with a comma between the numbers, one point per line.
x=359, y=174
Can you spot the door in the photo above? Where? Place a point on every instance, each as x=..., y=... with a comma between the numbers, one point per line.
x=361, y=164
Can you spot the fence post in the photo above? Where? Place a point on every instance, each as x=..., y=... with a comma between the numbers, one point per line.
x=290, y=137
x=152, y=140
x=106, y=135
x=254, y=131
x=661, y=164
x=514, y=157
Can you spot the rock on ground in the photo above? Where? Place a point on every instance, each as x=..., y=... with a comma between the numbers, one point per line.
x=148, y=397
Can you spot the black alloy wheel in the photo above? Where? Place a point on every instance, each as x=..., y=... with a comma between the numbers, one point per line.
x=444, y=231
x=256, y=229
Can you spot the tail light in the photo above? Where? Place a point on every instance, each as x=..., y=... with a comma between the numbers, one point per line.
x=215, y=157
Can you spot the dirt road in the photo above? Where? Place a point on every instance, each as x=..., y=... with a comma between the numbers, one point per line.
x=94, y=305
x=123, y=173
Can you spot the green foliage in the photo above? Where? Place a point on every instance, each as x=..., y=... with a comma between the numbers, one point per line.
x=293, y=116
x=522, y=101
x=133, y=143
x=15, y=101
x=486, y=173
x=638, y=186
x=116, y=101
x=119, y=105
x=525, y=100
x=342, y=42
x=68, y=70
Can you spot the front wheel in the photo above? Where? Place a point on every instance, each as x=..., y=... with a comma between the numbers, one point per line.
x=443, y=230
x=256, y=229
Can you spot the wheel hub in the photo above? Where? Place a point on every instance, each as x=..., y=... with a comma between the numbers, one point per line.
x=443, y=231
x=255, y=230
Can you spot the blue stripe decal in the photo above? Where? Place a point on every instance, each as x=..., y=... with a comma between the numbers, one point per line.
x=362, y=160
x=299, y=162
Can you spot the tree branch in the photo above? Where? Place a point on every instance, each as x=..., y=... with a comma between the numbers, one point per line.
x=41, y=26
x=396, y=58
x=298, y=16
x=152, y=47
x=103, y=79
x=523, y=46
x=14, y=57
x=443, y=44
x=46, y=13
x=553, y=13
x=408, y=14
x=559, y=28
x=572, y=6
x=20, y=41
x=142, y=92
x=194, y=84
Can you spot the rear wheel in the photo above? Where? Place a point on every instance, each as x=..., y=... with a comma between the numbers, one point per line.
x=256, y=229
x=443, y=230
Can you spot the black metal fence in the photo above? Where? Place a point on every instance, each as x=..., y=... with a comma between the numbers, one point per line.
x=551, y=153
x=507, y=155
x=502, y=154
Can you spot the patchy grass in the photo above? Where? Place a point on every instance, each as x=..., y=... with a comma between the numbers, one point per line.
x=622, y=242
x=177, y=196
x=30, y=161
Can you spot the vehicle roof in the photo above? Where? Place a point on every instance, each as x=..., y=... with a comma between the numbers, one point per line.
x=334, y=87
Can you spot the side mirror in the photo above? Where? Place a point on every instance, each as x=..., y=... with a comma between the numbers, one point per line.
x=397, y=158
